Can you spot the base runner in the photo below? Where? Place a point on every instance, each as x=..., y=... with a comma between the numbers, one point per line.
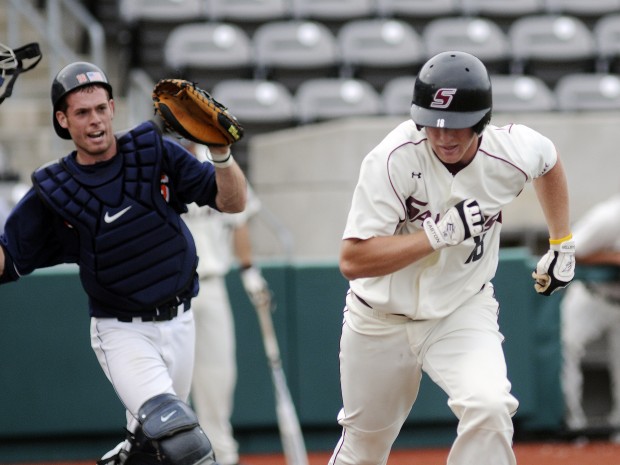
x=420, y=249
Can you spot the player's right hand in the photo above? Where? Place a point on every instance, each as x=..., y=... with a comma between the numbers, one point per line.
x=459, y=223
x=256, y=287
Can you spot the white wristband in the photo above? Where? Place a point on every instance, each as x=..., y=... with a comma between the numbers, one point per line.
x=223, y=160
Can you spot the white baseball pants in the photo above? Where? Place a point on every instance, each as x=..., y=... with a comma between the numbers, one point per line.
x=145, y=359
x=381, y=363
x=215, y=367
x=586, y=317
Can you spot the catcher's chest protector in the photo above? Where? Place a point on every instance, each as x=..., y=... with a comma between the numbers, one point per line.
x=133, y=253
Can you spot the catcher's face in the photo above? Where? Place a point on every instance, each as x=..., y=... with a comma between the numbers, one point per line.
x=453, y=146
x=88, y=119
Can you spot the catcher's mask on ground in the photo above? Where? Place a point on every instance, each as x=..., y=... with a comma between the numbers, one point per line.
x=70, y=78
x=452, y=90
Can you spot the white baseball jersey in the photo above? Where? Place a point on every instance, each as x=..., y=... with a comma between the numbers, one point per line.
x=212, y=231
x=402, y=182
x=599, y=229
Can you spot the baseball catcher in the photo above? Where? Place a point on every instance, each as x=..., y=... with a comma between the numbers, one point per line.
x=12, y=63
x=194, y=114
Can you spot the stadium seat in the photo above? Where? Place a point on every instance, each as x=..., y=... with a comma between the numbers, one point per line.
x=588, y=92
x=479, y=36
x=208, y=52
x=397, y=95
x=513, y=93
x=249, y=14
x=293, y=51
x=333, y=13
x=551, y=46
x=377, y=50
x=258, y=104
x=502, y=7
x=607, y=38
x=588, y=11
x=261, y=107
x=330, y=98
x=503, y=12
x=148, y=23
x=416, y=12
x=158, y=10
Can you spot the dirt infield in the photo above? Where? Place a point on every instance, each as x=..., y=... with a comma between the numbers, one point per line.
x=548, y=453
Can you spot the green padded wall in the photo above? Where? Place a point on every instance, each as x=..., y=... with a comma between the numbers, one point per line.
x=53, y=386
x=51, y=381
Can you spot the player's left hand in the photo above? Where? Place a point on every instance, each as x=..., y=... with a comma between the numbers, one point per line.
x=556, y=269
x=256, y=287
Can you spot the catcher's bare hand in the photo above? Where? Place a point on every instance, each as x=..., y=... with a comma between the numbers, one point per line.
x=194, y=114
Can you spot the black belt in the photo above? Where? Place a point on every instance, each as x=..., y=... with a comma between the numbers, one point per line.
x=163, y=313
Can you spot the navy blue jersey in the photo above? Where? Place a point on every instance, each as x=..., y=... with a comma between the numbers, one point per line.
x=39, y=234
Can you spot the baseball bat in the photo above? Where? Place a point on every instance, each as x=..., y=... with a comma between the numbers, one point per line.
x=288, y=422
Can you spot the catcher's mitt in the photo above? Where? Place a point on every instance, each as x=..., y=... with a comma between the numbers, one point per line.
x=194, y=114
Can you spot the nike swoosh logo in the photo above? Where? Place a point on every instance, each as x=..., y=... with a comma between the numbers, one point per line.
x=165, y=418
x=111, y=218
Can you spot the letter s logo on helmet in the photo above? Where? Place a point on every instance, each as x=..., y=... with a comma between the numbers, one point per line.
x=443, y=98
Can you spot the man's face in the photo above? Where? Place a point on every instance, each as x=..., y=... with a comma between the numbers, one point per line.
x=88, y=119
x=453, y=146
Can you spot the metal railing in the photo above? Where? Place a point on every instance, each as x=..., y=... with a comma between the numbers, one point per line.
x=50, y=23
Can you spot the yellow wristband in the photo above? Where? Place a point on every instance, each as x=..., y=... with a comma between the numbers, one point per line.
x=559, y=241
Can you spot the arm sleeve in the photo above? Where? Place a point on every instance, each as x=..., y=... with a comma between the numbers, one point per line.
x=35, y=238
x=192, y=180
x=542, y=147
x=377, y=208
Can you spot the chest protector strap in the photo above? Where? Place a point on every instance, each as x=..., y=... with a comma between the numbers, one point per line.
x=133, y=252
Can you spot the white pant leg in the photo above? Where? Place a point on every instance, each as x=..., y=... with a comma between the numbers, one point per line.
x=380, y=379
x=582, y=321
x=215, y=368
x=143, y=360
x=613, y=344
x=464, y=356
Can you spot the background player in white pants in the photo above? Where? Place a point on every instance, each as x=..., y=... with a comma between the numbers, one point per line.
x=220, y=239
x=591, y=310
x=420, y=248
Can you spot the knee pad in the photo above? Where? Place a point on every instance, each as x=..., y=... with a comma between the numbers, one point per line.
x=169, y=432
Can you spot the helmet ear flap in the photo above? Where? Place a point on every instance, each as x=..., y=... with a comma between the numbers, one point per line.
x=480, y=125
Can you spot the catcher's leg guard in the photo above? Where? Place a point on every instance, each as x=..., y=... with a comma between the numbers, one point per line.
x=170, y=433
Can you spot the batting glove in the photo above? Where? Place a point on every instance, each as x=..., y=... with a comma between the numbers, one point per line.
x=556, y=269
x=255, y=286
x=460, y=222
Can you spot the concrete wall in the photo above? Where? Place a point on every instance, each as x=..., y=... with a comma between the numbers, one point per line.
x=305, y=176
